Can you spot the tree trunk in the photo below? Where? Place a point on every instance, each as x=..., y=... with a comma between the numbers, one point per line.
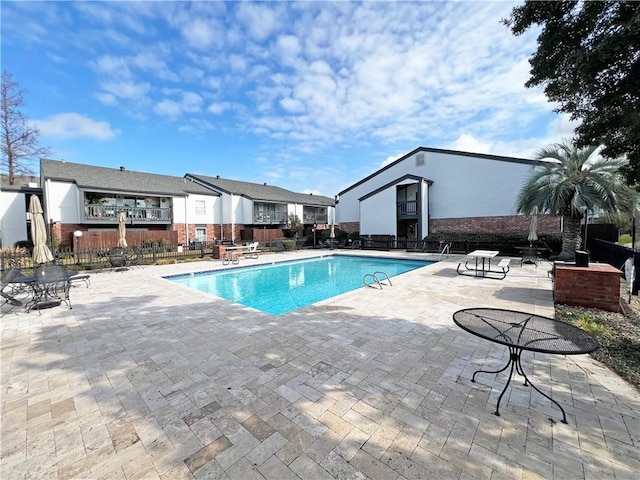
x=571, y=239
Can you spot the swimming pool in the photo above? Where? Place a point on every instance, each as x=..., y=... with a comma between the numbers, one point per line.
x=282, y=287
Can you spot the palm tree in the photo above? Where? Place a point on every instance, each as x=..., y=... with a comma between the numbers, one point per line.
x=570, y=182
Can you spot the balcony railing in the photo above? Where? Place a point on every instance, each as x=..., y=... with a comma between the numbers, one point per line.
x=309, y=218
x=268, y=217
x=407, y=209
x=110, y=213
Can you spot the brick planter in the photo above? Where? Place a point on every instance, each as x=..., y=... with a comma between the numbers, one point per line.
x=595, y=286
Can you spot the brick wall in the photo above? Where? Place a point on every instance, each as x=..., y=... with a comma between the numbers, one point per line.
x=595, y=286
x=509, y=224
x=181, y=229
x=349, y=226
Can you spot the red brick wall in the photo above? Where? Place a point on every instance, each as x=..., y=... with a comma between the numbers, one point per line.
x=349, y=226
x=509, y=224
x=64, y=234
x=595, y=286
x=181, y=228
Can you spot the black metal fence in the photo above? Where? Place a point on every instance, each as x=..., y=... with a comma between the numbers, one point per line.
x=615, y=255
x=96, y=259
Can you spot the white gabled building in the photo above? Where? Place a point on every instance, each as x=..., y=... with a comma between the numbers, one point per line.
x=431, y=190
x=257, y=211
x=89, y=199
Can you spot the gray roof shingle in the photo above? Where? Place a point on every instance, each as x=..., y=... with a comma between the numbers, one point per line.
x=261, y=192
x=112, y=179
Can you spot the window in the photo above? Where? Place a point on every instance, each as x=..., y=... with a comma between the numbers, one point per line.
x=420, y=160
x=201, y=208
x=201, y=234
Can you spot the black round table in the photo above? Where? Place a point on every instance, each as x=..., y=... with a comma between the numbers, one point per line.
x=524, y=331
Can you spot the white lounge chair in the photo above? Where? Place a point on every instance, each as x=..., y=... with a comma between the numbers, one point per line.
x=252, y=251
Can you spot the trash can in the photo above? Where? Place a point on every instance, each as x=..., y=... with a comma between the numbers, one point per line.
x=582, y=258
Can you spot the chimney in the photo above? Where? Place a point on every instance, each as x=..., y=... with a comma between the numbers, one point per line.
x=122, y=169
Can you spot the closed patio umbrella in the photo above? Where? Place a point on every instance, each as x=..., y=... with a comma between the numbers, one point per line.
x=533, y=226
x=122, y=230
x=41, y=253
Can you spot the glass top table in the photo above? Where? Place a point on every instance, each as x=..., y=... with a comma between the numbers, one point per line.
x=521, y=331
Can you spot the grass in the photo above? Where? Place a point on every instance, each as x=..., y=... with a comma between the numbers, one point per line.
x=624, y=239
x=590, y=324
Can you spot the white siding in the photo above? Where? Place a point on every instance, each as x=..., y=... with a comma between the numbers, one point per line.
x=463, y=186
x=378, y=213
x=246, y=215
x=13, y=213
x=209, y=215
x=182, y=213
x=61, y=202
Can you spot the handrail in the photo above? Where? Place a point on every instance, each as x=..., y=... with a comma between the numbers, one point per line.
x=374, y=280
x=445, y=248
x=386, y=277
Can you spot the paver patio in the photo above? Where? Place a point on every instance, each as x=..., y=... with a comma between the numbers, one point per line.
x=146, y=379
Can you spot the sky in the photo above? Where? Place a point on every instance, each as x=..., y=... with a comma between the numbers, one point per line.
x=307, y=96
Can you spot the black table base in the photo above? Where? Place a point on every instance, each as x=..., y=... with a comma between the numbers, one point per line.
x=514, y=362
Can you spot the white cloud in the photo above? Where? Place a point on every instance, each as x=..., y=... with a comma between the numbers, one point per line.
x=75, y=125
x=468, y=143
x=260, y=20
x=188, y=103
x=202, y=34
x=218, y=107
x=106, y=98
x=562, y=127
x=113, y=66
x=168, y=108
x=127, y=89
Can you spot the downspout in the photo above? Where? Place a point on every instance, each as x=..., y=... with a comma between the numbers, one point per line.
x=233, y=239
x=221, y=209
x=48, y=220
x=48, y=206
x=186, y=221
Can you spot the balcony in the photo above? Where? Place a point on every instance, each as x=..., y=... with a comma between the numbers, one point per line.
x=407, y=209
x=261, y=217
x=110, y=214
x=309, y=218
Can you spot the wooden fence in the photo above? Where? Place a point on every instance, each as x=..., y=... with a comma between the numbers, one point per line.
x=261, y=234
x=135, y=238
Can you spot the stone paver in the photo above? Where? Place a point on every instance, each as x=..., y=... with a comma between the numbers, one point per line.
x=146, y=379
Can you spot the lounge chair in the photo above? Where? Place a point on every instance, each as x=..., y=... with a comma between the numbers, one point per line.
x=279, y=246
x=14, y=283
x=252, y=250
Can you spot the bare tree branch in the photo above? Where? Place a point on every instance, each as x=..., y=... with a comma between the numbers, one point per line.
x=19, y=138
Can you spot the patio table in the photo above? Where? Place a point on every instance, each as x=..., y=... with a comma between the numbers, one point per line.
x=520, y=331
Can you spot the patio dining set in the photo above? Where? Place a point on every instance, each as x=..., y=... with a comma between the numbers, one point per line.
x=47, y=287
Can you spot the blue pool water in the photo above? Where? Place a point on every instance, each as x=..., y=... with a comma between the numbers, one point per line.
x=285, y=286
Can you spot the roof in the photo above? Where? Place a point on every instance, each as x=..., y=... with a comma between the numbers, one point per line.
x=447, y=152
x=395, y=182
x=21, y=183
x=260, y=191
x=119, y=180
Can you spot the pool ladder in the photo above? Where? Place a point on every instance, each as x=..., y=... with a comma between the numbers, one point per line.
x=376, y=278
